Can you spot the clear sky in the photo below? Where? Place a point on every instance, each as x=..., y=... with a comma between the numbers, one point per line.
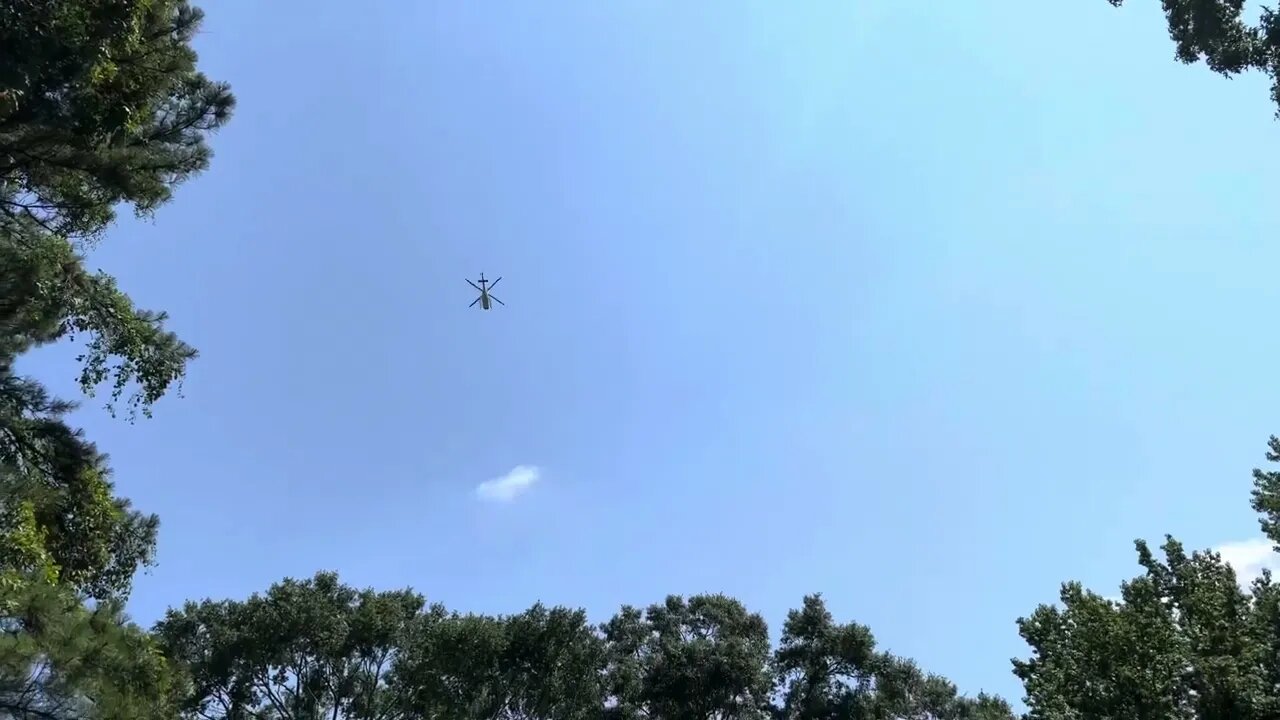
x=925, y=306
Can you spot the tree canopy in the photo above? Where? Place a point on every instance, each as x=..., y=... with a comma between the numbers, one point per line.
x=60, y=660
x=317, y=648
x=1184, y=640
x=101, y=105
x=1218, y=33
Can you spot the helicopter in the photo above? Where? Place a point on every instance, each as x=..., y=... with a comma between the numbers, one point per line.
x=485, y=296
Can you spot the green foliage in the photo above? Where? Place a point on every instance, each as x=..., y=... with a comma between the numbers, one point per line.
x=452, y=668
x=314, y=648
x=26, y=545
x=93, y=539
x=1266, y=494
x=1184, y=641
x=829, y=670
x=1217, y=33
x=100, y=104
x=701, y=658
x=62, y=661
x=304, y=650
x=542, y=663
x=46, y=295
x=55, y=490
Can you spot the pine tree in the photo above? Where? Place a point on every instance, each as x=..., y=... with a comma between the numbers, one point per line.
x=101, y=105
x=60, y=660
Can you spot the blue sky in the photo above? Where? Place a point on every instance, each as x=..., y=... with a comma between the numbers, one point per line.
x=928, y=307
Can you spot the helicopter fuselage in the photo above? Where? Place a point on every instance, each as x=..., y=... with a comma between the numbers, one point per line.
x=485, y=300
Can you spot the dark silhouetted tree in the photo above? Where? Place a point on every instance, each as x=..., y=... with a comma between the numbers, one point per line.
x=1218, y=33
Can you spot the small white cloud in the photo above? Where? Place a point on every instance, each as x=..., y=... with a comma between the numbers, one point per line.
x=1249, y=558
x=510, y=486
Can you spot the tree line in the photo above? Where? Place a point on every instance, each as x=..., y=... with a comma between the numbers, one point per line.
x=318, y=648
x=102, y=106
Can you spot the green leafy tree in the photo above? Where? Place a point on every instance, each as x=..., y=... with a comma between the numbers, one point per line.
x=831, y=671
x=49, y=473
x=552, y=664
x=304, y=650
x=1218, y=33
x=46, y=296
x=542, y=664
x=696, y=659
x=101, y=105
x=452, y=669
x=64, y=534
x=1183, y=641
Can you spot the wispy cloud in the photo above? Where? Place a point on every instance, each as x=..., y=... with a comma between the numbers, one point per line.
x=1249, y=558
x=510, y=486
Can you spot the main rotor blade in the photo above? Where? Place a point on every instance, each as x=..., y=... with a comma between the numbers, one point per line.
x=473, y=302
x=491, y=297
x=495, y=282
x=474, y=285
